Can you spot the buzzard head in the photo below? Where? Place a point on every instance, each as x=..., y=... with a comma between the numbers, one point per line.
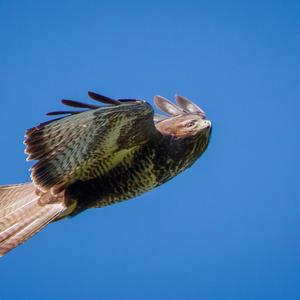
x=184, y=119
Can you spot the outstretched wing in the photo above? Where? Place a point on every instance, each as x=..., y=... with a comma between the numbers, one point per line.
x=85, y=145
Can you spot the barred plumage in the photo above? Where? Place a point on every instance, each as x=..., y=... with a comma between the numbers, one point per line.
x=99, y=156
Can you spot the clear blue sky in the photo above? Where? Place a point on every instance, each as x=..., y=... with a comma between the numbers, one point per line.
x=229, y=227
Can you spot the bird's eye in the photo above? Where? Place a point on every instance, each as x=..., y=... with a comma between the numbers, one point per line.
x=190, y=124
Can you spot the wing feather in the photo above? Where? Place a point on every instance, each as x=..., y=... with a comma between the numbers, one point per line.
x=83, y=145
x=73, y=103
x=188, y=106
x=167, y=106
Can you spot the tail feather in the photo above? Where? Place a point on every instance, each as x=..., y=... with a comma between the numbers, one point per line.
x=19, y=193
x=22, y=215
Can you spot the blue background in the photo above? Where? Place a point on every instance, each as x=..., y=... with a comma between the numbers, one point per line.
x=228, y=228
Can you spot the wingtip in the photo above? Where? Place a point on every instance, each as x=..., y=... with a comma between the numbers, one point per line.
x=187, y=104
x=102, y=98
x=92, y=94
x=158, y=98
x=167, y=106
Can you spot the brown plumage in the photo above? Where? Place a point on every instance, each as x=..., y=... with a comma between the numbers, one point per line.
x=98, y=156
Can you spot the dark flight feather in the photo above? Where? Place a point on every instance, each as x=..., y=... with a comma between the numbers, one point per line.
x=63, y=112
x=73, y=103
x=59, y=164
x=103, y=99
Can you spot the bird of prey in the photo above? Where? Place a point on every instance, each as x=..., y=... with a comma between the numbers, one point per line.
x=97, y=156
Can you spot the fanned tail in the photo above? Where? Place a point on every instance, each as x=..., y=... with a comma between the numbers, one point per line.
x=22, y=215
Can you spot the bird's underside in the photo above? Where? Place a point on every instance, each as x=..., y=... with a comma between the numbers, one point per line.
x=97, y=156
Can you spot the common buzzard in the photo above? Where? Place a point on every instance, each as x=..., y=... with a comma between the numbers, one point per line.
x=98, y=156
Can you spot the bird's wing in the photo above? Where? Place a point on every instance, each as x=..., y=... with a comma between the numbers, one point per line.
x=84, y=145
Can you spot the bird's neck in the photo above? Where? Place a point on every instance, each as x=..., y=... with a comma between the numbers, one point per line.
x=175, y=155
